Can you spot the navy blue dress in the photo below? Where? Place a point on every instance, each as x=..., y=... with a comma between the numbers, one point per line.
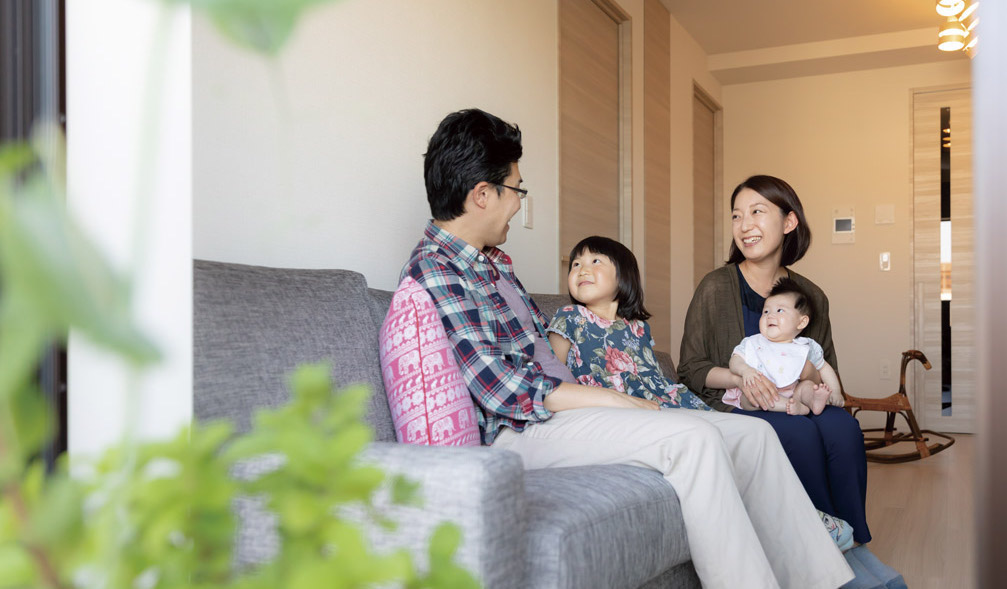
x=837, y=486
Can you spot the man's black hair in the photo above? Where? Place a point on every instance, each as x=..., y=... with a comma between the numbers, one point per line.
x=469, y=147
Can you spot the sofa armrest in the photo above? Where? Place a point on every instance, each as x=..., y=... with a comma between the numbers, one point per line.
x=480, y=490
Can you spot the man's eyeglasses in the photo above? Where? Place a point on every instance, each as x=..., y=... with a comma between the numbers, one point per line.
x=521, y=192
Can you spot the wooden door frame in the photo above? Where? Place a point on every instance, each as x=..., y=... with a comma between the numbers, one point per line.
x=719, y=252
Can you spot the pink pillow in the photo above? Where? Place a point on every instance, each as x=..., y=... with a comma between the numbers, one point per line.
x=428, y=397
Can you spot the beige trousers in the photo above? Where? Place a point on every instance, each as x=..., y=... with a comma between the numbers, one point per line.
x=747, y=517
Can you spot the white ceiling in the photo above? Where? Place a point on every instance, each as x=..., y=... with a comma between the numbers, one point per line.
x=722, y=26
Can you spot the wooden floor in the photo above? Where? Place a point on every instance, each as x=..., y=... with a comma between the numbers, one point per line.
x=921, y=517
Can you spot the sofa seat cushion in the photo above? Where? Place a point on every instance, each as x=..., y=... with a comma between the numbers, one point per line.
x=605, y=526
x=429, y=400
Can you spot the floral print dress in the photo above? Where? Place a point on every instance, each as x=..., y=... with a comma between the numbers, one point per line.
x=618, y=355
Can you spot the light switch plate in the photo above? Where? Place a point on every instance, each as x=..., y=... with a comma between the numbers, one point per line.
x=884, y=214
x=526, y=213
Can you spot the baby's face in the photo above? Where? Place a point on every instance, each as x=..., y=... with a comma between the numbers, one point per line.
x=780, y=321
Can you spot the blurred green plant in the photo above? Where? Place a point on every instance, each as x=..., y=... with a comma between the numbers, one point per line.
x=160, y=515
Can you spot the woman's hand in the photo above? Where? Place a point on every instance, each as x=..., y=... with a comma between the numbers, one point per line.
x=575, y=396
x=759, y=390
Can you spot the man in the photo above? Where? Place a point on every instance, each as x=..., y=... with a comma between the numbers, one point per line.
x=527, y=401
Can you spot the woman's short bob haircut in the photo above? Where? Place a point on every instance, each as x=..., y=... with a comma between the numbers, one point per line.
x=630, y=292
x=778, y=192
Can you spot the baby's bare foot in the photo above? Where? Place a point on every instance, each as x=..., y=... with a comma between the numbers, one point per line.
x=819, y=397
x=796, y=407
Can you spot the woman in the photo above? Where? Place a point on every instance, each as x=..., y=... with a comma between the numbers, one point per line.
x=771, y=233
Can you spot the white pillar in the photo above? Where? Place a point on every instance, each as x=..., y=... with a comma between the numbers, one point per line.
x=110, y=54
x=990, y=145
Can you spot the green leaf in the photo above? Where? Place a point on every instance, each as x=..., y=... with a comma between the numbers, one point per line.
x=55, y=274
x=16, y=567
x=32, y=426
x=405, y=491
x=58, y=512
x=445, y=541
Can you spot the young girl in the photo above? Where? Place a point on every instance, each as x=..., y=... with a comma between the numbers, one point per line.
x=788, y=361
x=604, y=338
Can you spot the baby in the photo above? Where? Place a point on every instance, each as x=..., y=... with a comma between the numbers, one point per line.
x=787, y=360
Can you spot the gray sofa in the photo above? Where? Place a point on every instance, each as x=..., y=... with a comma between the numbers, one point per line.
x=600, y=526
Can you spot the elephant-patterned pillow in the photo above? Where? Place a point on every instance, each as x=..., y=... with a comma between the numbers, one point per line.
x=427, y=395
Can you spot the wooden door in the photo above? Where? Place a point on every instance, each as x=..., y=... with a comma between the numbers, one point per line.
x=589, y=136
x=943, y=267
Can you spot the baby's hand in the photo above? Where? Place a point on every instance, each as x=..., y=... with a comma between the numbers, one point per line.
x=835, y=397
x=750, y=378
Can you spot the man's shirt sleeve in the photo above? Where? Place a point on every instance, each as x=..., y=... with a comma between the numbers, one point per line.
x=499, y=385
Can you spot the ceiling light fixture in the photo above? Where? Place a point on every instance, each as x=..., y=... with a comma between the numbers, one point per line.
x=959, y=30
x=952, y=35
x=950, y=7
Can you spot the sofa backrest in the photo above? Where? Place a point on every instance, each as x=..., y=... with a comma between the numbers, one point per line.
x=253, y=325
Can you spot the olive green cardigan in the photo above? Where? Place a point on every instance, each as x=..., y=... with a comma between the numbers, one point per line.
x=714, y=325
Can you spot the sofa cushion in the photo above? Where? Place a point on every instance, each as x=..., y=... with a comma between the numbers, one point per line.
x=253, y=325
x=427, y=395
x=604, y=526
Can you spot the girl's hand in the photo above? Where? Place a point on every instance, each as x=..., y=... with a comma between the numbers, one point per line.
x=632, y=402
x=759, y=390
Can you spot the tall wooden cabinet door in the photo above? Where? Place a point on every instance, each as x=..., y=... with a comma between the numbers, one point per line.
x=589, y=134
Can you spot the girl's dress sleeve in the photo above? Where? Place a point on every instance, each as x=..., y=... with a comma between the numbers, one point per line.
x=562, y=323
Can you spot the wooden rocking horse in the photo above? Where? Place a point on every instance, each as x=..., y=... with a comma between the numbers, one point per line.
x=898, y=404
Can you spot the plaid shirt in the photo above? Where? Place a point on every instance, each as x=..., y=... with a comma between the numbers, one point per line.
x=493, y=350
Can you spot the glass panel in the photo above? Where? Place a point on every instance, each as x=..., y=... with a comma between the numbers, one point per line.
x=945, y=141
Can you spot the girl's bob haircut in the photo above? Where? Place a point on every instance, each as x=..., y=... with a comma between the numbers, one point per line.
x=778, y=192
x=630, y=292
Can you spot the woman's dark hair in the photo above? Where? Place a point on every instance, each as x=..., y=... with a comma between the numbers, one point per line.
x=629, y=295
x=469, y=147
x=778, y=192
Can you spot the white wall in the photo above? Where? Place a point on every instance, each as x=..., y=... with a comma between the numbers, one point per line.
x=114, y=117
x=316, y=160
x=843, y=140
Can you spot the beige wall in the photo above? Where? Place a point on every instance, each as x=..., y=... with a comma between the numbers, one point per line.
x=316, y=160
x=843, y=140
